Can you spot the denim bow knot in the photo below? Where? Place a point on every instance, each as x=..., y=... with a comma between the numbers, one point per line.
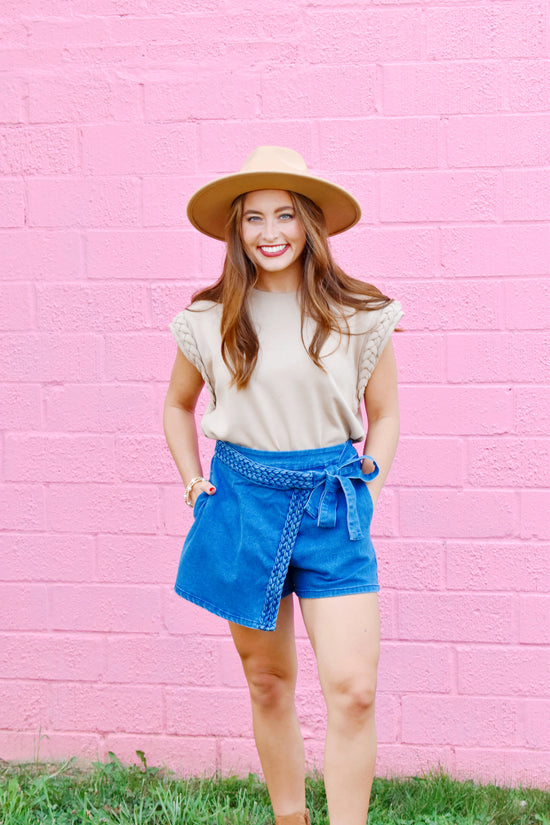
x=323, y=501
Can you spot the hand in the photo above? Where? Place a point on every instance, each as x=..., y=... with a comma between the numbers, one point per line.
x=201, y=487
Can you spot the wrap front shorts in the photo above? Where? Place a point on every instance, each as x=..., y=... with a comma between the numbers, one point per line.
x=279, y=522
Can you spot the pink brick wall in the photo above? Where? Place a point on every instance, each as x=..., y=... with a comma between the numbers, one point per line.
x=437, y=115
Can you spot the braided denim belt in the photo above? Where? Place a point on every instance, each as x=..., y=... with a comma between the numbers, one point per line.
x=314, y=492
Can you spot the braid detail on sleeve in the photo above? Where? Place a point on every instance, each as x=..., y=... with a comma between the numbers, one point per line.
x=376, y=340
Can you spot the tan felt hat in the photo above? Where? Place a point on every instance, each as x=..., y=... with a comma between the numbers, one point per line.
x=271, y=167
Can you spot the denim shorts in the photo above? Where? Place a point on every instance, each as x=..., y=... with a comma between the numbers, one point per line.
x=279, y=522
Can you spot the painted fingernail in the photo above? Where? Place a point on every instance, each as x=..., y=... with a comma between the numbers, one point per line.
x=211, y=490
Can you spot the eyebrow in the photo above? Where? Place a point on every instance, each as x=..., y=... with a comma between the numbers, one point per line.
x=258, y=211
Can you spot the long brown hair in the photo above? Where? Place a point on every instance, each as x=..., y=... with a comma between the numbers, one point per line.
x=324, y=293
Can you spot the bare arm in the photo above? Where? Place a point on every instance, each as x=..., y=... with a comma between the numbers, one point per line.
x=180, y=428
x=382, y=406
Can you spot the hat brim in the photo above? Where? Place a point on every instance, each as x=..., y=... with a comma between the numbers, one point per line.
x=209, y=207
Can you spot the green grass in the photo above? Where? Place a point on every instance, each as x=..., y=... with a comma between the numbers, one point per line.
x=117, y=794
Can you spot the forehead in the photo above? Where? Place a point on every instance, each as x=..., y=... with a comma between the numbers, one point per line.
x=267, y=199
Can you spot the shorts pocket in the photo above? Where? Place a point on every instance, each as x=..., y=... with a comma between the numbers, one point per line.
x=199, y=503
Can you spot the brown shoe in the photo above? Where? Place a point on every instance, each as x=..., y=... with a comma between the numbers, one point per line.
x=293, y=819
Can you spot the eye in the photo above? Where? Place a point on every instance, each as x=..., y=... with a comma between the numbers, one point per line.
x=253, y=218
x=287, y=216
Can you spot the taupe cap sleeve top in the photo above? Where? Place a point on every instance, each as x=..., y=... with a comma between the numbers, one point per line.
x=289, y=403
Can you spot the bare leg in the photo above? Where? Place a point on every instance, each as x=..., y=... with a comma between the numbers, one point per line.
x=270, y=667
x=345, y=634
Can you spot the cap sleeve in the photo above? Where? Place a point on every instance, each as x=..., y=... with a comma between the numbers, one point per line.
x=375, y=340
x=182, y=330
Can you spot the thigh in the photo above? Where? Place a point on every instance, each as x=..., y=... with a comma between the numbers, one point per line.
x=269, y=651
x=345, y=635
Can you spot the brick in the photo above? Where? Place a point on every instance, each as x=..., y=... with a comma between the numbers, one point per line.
x=100, y=307
x=144, y=254
x=415, y=668
x=458, y=514
x=498, y=30
x=461, y=721
x=49, y=357
x=379, y=143
x=24, y=705
x=498, y=357
x=100, y=408
x=409, y=565
x=534, y=514
x=38, y=150
x=165, y=200
x=48, y=256
x=12, y=201
x=396, y=760
x=239, y=757
x=346, y=88
x=17, y=307
x=201, y=711
x=164, y=661
x=74, y=458
x=84, y=202
x=510, y=672
x=49, y=746
x=13, y=32
x=537, y=729
x=108, y=708
x=186, y=755
x=391, y=252
x=499, y=140
x=105, y=608
x=20, y=406
x=167, y=299
x=444, y=304
x=526, y=196
x=137, y=559
x=513, y=251
x=420, y=357
x=492, y=565
x=497, y=463
x=44, y=656
x=172, y=96
x=64, y=31
x=457, y=410
x=363, y=35
x=529, y=85
x=444, y=88
x=23, y=607
x=45, y=557
x=22, y=507
x=447, y=617
x=527, y=302
x=534, y=622
x=102, y=508
x=145, y=458
x=234, y=140
x=506, y=767
x=443, y=468
x=185, y=618
x=138, y=356
x=79, y=96
x=438, y=196
x=144, y=149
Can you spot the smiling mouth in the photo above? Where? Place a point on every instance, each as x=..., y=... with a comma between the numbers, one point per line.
x=273, y=251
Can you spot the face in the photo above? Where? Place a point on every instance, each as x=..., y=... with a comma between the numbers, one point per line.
x=273, y=238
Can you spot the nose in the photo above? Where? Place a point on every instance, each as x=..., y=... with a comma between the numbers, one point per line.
x=270, y=229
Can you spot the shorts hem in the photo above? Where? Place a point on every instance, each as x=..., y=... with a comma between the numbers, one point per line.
x=326, y=594
x=223, y=614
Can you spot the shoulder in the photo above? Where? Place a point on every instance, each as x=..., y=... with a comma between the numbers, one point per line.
x=198, y=315
x=376, y=321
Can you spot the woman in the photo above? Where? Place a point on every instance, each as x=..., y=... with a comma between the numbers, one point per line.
x=288, y=346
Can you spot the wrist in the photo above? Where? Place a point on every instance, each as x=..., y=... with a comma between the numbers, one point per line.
x=190, y=489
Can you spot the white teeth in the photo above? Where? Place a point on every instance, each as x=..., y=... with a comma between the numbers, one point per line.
x=278, y=248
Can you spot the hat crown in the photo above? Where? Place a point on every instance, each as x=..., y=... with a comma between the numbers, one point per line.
x=275, y=159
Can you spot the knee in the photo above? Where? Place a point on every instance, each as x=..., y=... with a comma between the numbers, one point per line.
x=352, y=698
x=270, y=689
